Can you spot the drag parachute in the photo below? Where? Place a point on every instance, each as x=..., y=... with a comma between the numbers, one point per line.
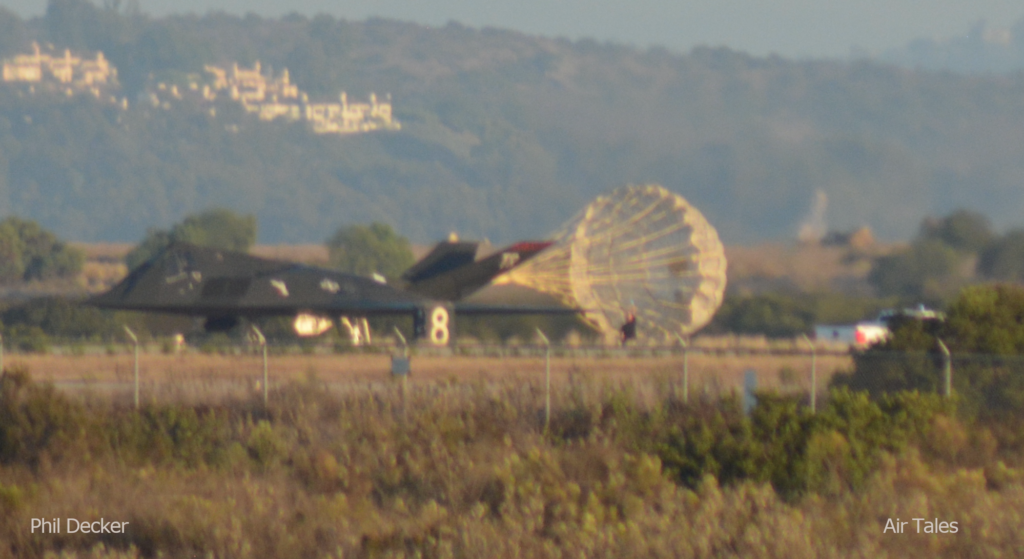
x=638, y=249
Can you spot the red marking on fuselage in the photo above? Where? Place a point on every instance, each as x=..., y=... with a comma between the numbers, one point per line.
x=529, y=246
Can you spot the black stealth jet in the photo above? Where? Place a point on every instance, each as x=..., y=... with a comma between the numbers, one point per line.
x=225, y=286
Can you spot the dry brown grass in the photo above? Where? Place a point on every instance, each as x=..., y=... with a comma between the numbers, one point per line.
x=810, y=267
x=308, y=253
x=104, y=251
x=198, y=376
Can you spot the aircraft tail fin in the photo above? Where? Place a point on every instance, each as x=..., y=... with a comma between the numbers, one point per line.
x=451, y=271
x=445, y=257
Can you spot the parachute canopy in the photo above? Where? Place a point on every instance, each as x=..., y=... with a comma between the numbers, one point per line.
x=640, y=250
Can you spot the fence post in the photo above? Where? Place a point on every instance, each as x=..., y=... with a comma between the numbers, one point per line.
x=262, y=340
x=947, y=369
x=135, y=341
x=814, y=374
x=547, y=379
x=408, y=371
x=686, y=369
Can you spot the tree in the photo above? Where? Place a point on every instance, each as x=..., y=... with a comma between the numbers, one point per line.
x=1003, y=259
x=216, y=228
x=962, y=230
x=29, y=252
x=926, y=270
x=772, y=314
x=11, y=266
x=986, y=319
x=932, y=268
x=365, y=250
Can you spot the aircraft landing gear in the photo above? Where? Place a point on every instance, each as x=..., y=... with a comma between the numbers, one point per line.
x=358, y=330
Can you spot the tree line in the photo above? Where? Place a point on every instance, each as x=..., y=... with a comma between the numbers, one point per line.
x=949, y=254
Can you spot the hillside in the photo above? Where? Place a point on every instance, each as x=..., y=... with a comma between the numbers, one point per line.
x=503, y=135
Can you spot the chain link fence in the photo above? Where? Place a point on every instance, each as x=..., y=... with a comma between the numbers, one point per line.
x=704, y=369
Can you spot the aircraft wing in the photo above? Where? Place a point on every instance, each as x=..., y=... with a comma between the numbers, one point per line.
x=193, y=280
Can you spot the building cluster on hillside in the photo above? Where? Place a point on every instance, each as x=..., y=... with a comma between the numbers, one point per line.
x=271, y=98
x=266, y=96
x=67, y=72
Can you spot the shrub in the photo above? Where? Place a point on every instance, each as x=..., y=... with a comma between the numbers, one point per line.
x=711, y=440
x=265, y=445
x=34, y=419
x=984, y=334
x=796, y=451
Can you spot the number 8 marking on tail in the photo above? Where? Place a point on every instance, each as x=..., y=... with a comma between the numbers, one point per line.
x=439, y=326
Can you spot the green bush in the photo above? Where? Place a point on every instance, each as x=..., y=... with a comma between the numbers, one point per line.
x=715, y=440
x=796, y=451
x=30, y=339
x=168, y=434
x=35, y=420
x=985, y=337
x=265, y=445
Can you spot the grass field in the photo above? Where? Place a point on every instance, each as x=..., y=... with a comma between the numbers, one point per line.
x=197, y=376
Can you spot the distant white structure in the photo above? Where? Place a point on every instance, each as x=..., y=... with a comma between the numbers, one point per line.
x=271, y=98
x=65, y=71
x=860, y=335
x=868, y=332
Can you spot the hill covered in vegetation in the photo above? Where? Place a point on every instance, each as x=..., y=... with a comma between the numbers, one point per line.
x=503, y=135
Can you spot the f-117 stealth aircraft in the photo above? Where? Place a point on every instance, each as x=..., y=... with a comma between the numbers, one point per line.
x=225, y=286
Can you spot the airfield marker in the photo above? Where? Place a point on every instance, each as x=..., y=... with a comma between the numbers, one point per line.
x=547, y=379
x=135, y=341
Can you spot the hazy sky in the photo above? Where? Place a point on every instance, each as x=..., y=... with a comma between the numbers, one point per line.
x=787, y=27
